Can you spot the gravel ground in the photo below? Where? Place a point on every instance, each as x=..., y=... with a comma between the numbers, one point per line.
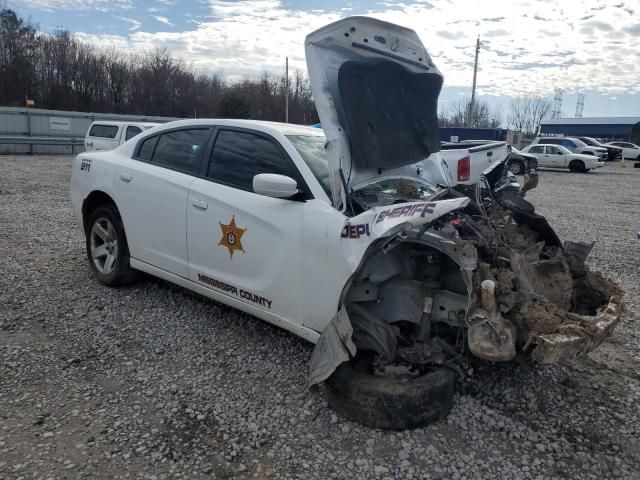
x=154, y=382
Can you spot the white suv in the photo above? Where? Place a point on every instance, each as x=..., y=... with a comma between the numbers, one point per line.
x=107, y=135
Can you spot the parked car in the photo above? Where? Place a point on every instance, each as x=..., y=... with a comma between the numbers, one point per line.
x=573, y=144
x=613, y=152
x=557, y=156
x=354, y=237
x=105, y=135
x=629, y=150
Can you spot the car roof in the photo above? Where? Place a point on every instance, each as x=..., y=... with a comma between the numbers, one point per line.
x=117, y=123
x=260, y=125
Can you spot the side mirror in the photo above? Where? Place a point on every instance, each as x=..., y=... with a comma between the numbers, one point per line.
x=274, y=185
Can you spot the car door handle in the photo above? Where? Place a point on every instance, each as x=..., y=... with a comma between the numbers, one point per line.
x=201, y=204
x=125, y=177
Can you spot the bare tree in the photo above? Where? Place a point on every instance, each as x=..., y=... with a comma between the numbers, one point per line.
x=526, y=113
x=58, y=71
x=482, y=116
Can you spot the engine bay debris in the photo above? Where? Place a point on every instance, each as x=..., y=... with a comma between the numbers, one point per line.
x=418, y=303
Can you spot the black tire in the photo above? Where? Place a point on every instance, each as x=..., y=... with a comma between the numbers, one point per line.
x=390, y=402
x=121, y=272
x=577, y=166
x=516, y=167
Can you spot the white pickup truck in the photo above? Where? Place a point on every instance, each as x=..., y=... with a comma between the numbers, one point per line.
x=467, y=162
x=105, y=135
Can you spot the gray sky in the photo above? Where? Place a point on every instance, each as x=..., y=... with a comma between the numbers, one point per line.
x=529, y=47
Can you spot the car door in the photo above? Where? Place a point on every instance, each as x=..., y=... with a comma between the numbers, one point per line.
x=152, y=189
x=631, y=151
x=538, y=151
x=554, y=157
x=242, y=244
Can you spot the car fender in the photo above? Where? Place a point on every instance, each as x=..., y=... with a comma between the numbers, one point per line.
x=361, y=231
x=358, y=237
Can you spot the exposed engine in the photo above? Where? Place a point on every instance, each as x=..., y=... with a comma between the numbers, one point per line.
x=412, y=306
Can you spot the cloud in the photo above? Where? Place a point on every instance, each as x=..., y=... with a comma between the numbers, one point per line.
x=499, y=32
x=56, y=5
x=520, y=55
x=135, y=24
x=450, y=35
x=162, y=19
x=633, y=30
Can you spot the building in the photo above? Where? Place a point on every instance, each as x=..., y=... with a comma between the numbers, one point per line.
x=607, y=128
x=459, y=134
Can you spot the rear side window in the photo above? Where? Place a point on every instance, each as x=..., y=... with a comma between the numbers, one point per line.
x=238, y=156
x=553, y=151
x=179, y=149
x=556, y=141
x=103, y=131
x=146, y=149
x=132, y=132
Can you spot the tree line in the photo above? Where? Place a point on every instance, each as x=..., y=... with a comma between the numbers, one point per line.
x=59, y=72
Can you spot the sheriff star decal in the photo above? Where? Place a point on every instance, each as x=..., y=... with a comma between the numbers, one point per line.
x=231, y=236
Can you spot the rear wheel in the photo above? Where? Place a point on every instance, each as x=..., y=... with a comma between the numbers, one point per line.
x=107, y=248
x=390, y=402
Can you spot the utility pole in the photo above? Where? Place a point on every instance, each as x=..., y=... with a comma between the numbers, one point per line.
x=286, y=90
x=473, y=89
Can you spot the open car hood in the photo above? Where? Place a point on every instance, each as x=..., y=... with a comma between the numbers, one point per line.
x=376, y=91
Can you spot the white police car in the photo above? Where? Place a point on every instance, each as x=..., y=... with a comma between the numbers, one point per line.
x=354, y=241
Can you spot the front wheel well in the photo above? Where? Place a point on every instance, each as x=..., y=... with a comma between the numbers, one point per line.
x=94, y=200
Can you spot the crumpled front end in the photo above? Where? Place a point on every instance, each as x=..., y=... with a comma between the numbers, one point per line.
x=486, y=278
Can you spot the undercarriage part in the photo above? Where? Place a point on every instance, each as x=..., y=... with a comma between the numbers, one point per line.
x=372, y=333
x=400, y=299
x=576, y=254
x=530, y=182
x=573, y=342
x=393, y=402
x=490, y=336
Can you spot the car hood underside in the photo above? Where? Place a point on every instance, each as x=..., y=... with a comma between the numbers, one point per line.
x=376, y=91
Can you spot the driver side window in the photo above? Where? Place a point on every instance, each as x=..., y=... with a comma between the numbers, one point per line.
x=239, y=156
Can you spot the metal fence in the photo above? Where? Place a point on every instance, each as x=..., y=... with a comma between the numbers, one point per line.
x=39, y=131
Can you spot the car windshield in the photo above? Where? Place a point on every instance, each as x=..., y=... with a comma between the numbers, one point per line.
x=564, y=150
x=311, y=149
x=579, y=143
x=388, y=191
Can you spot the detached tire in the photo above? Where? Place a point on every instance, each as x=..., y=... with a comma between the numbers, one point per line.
x=107, y=248
x=393, y=403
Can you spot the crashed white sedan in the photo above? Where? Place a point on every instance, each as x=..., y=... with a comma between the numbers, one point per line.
x=356, y=239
